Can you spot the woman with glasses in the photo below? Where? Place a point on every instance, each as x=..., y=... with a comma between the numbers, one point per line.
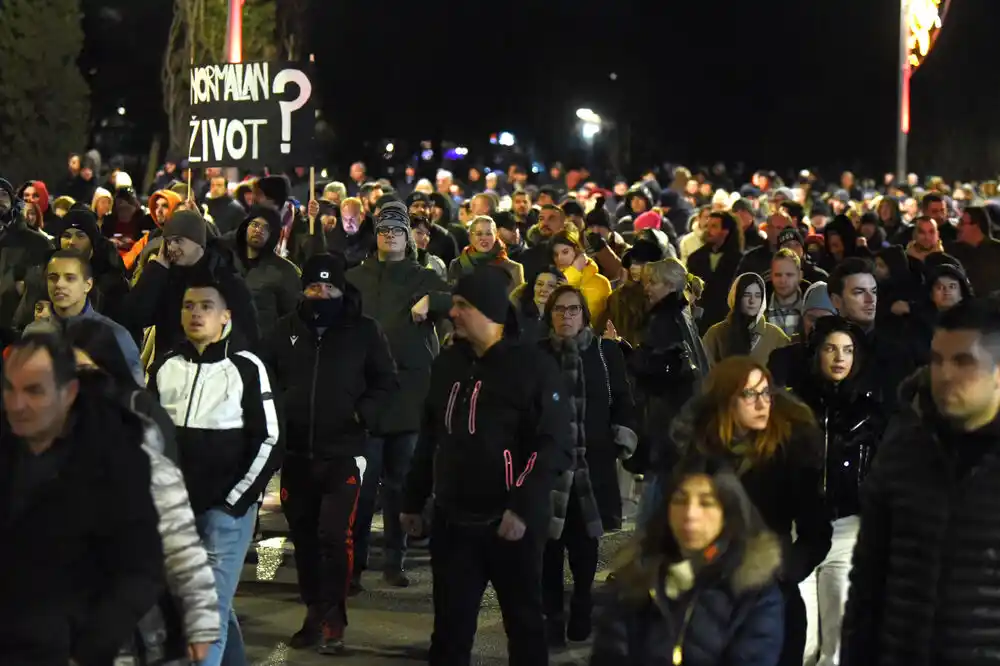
x=585, y=500
x=771, y=440
x=485, y=248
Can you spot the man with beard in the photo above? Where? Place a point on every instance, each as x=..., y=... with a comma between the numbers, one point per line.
x=353, y=235
x=933, y=206
x=272, y=280
x=551, y=220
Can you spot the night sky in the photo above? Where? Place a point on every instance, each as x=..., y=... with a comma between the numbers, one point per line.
x=777, y=83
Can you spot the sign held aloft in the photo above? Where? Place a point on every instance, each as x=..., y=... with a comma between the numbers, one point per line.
x=251, y=114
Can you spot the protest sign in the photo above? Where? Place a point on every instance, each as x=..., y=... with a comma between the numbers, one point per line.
x=251, y=114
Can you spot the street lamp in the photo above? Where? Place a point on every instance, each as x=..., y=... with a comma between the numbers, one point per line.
x=920, y=24
x=588, y=116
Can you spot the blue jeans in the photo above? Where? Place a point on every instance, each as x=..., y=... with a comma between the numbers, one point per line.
x=389, y=460
x=651, y=500
x=227, y=539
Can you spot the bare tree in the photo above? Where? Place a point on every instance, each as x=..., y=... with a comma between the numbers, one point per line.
x=292, y=27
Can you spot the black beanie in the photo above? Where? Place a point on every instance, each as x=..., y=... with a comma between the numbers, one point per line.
x=274, y=188
x=324, y=268
x=572, y=207
x=598, y=218
x=486, y=290
x=85, y=221
x=644, y=251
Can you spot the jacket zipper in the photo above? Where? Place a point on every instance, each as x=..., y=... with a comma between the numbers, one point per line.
x=826, y=445
x=312, y=398
x=194, y=387
x=472, y=407
x=450, y=408
x=508, y=468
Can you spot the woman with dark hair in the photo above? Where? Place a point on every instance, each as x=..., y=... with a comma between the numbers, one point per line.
x=699, y=586
x=744, y=331
x=872, y=232
x=96, y=347
x=841, y=241
x=530, y=302
x=771, y=440
x=581, y=271
x=585, y=499
x=852, y=420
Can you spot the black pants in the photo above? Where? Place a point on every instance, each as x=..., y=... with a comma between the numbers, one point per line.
x=795, y=626
x=582, y=551
x=319, y=499
x=464, y=558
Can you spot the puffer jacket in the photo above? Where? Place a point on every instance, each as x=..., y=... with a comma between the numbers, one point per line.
x=924, y=588
x=735, y=616
x=595, y=287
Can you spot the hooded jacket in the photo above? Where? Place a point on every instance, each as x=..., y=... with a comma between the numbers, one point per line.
x=21, y=249
x=273, y=281
x=764, y=337
x=494, y=436
x=131, y=257
x=333, y=385
x=595, y=287
x=222, y=404
x=923, y=582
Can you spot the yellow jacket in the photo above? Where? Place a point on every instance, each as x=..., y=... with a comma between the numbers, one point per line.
x=595, y=287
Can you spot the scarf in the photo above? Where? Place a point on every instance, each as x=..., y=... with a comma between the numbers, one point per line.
x=470, y=257
x=577, y=478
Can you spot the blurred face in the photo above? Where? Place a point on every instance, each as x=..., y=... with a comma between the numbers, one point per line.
x=785, y=277
x=391, y=239
x=946, y=293
x=753, y=403
x=68, y=288
x=491, y=181
x=835, y=245
x=638, y=205
x=351, y=218
x=635, y=271
x=357, y=172
x=183, y=251
x=43, y=310
x=836, y=356
x=74, y=239
x=746, y=219
x=811, y=316
x=333, y=196
x=968, y=231
x=545, y=284
x=910, y=206
x=567, y=315
x=218, y=187
x=750, y=300
x=691, y=187
x=837, y=206
x=443, y=185
x=857, y=304
x=715, y=234
x=696, y=516
x=881, y=269
x=776, y=223
x=655, y=290
x=925, y=235
x=87, y=173
x=35, y=405
x=483, y=236
x=885, y=211
x=510, y=237
x=30, y=195
x=868, y=230
x=204, y=315
x=161, y=209
x=521, y=205
x=436, y=213
x=419, y=207
x=258, y=233
x=74, y=164
x=964, y=377
x=550, y=222
x=563, y=256
x=103, y=206
x=321, y=291
x=544, y=199
x=470, y=323
x=421, y=236
x=31, y=215
x=936, y=211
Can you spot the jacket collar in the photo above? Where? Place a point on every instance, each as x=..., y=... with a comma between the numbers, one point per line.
x=214, y=353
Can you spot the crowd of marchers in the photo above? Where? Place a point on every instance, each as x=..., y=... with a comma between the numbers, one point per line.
x=790, y=392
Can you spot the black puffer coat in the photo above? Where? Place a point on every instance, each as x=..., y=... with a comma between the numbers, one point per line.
x=924, y=586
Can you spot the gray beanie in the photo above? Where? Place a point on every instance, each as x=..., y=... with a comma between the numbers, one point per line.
x=187, y=224
x=393, y=214
x=817, y=298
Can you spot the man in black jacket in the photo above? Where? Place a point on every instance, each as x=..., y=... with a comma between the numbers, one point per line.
x=82, y=560
x=494, y=437
x=924, y=588
x=225, y=211
x=334, y=371
x=21, y=248
x=715, y=262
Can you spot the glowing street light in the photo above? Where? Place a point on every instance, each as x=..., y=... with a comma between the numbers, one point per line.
x=588, y=116
x=920, y=23
x=121, y=110
x=506, y=139
x=590, y=130
x=389, y=147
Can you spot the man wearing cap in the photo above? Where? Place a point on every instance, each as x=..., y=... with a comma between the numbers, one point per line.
x=185, y=258
x=493, y=438
x=791, y=239
x=334, y=370
x=406, y=299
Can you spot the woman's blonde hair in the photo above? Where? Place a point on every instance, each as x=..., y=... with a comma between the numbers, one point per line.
x=672, y=272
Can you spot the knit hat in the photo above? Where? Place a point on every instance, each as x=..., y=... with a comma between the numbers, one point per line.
x=486, y=290
x=275, y=188
x=790, y=234
x=572, y=207
x=417, y=196
x=504, y=220
x=187, y=224
x=598, y=217
x=85, y=221
x=324, y=269
x=648, y=220
x=818, y=298
x=643, y=251
x=393, y=215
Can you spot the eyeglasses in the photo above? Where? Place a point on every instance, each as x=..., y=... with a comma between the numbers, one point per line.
x=391, y=232
x=750, y=396
x=567, y=310
x=257, y=225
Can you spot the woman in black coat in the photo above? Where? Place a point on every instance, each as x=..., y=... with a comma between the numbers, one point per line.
x=852, y=420
x=699, y=587
x=586, y=499
x=529, y=302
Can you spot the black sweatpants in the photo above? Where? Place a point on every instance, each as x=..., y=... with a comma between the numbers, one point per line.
x=582, y=551
x=319, y=499
x=464, y=558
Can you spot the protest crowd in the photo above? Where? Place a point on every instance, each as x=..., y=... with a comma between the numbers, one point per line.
x=788, y=392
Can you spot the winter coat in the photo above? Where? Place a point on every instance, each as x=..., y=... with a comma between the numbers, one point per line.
x=717, y=280
x=981, y=264
x=21, y=249
x=226, y=213
x=595, y=287
x=626, y=310
x=924, y=588
x=764, y=337
x=465, y=266
x=274, y=282
x=530, y=322
x=602, y=428
x=388, y=292
x=84, y=558
x=333, y=386
x=156, y=299
x=494, y=436
x=733, y=616
x=666, y=371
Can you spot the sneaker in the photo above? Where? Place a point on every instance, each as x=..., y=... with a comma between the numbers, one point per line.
x=311, y=631
x=332, y=640
x=355, y=588
x=396, y=578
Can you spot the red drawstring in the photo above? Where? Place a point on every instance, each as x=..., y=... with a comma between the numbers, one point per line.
x=472, y=408
x=527, y=469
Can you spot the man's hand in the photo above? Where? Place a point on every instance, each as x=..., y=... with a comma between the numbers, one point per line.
x=610, y=333
x=862, y=241
x=580, y=262
x=412, y=524
x=198, y=652
x=421, y=308
x=900, y=308
x=511, y=528
x=313, y=209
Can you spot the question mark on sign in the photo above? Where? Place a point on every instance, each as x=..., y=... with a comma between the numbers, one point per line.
x=283, y=78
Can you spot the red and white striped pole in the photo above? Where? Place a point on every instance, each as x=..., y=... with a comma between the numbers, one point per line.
x=234, y=32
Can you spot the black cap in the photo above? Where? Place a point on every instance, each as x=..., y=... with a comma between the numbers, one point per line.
x=275, y=188
x=486, y=290
x=324, y=269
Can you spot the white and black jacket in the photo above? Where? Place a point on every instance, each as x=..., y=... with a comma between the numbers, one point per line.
x=227, y=423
